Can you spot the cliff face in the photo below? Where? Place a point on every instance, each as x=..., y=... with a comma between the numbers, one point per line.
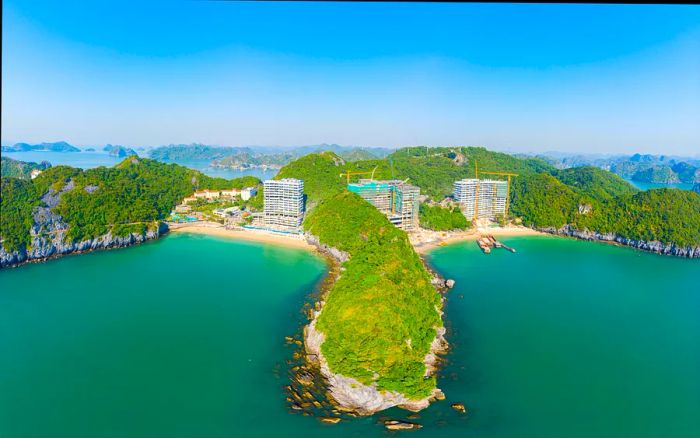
x=44, y=247
x=49, y=230
x=348, y=393
x=653, y=246
x=48, y=234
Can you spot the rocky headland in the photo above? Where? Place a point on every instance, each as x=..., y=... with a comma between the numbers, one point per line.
x=349, y=394
x=651, y=246
x=49, y=230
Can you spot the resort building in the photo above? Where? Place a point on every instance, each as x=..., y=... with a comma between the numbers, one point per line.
x=207, y=194
x=34, y=173
x=485, y=195
x=283, y=203
x=396, y=199
x=229, y=212
x=230, y=193
x=248, y=193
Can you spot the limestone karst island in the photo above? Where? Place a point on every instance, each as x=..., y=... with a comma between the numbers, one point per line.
x=505, y=243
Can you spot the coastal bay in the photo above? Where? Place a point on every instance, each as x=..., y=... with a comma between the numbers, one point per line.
x=575, y=329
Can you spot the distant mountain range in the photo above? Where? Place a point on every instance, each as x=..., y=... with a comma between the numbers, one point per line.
x=59, y=146
x=255, y=156
x=660, y=169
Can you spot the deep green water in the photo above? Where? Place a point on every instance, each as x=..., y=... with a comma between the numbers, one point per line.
x=185, y=337
x=573, y=339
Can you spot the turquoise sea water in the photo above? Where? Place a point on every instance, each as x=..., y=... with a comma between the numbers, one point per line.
x=648, y=186
x=184, y=337
x=573, y=339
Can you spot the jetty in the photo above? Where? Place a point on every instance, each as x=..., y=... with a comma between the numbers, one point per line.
x=486, y=242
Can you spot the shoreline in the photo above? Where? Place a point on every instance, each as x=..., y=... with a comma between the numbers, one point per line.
x=208, y=228
x=428, y=240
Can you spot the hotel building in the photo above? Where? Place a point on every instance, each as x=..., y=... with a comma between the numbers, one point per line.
x=283, y=203
x=485, y=195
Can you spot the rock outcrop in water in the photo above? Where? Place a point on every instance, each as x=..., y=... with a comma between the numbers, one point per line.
x=654, y=246
x=48, y=235
x=348, y=393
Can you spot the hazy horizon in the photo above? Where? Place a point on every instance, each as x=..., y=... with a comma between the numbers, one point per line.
x=98, y=148
x=518, y=78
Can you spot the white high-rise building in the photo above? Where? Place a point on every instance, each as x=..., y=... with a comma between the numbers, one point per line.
x=488, y=195
x=283, y=203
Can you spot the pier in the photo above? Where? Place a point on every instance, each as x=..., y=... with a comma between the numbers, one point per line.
x=486, y=242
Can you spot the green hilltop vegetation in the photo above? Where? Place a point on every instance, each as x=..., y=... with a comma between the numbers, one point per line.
x=436, y=169
x=321, y=175
x=664, y=215
x=122, y=199
x=20, y=169
x=380, y=316
x=597, y=183
x=440, y=218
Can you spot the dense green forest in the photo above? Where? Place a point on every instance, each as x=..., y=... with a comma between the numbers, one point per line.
x=442, y=219
x=321, y=175
x=380, y=316
x=435, y=170
x=597, y=183
x=121, y=199
x=20, y=169
x=664, y=215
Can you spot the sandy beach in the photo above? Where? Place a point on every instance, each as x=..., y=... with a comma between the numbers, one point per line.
x=289, y=241
x=425, y=240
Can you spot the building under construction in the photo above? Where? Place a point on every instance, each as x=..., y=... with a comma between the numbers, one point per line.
x=486, y=197
x=396, y=199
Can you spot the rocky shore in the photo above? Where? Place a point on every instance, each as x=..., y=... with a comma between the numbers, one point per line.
x=347, y=393
x=653, y=246
x=44, y=247
x=48, y=234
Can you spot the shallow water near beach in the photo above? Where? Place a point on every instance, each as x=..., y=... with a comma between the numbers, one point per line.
x=184, y=337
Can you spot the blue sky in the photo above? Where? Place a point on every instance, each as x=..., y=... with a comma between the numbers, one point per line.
x=580, y=78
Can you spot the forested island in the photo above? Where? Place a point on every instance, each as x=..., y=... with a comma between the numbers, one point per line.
x=658, y=169
x=67, y=210
x=119, y=151
x=59, y=146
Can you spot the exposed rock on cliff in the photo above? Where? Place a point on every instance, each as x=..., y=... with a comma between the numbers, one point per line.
x=48, y=241
x=653, y=246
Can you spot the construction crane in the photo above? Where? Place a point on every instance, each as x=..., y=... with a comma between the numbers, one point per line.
x=509, y=175
x=393, y=196
x=348, y=174
x=476, y=200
